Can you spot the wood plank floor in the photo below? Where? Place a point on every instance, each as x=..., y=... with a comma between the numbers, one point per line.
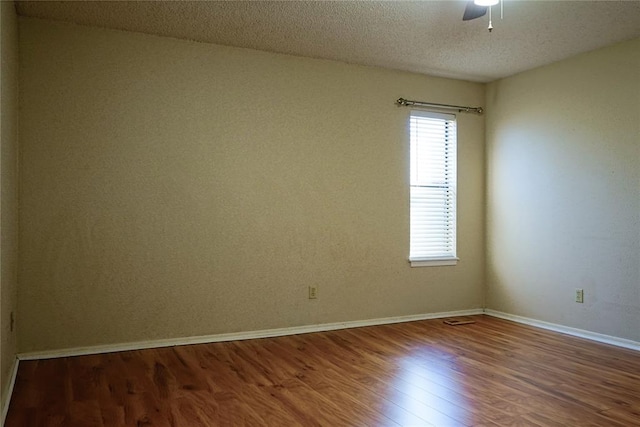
x=490, y=373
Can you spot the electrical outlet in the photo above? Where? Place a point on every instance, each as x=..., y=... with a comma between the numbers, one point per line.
x=313, y=292
x=580, y=295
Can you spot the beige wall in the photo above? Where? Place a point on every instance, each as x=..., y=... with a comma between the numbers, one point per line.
x=173, y=189
x=8, y=188
x=563, y=157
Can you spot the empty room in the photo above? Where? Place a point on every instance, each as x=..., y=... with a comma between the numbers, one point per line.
x=320, y=213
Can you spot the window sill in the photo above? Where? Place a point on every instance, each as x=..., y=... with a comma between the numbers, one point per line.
x=432, y=262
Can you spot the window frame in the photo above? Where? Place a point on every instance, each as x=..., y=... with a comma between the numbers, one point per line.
x=447, y=258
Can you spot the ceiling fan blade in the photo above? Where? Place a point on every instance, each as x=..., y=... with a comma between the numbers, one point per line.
x=473, y=11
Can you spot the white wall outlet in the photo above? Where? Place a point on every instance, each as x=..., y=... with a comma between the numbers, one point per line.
x=580, y=295
x=313, y=292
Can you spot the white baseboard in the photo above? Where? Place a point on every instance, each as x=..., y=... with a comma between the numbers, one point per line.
x=267, y=333
x=9, y=392
x=607, y=339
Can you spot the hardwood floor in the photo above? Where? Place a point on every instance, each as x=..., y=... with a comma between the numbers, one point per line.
x=490, y=373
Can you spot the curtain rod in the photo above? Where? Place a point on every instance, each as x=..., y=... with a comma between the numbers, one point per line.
x=407, y=102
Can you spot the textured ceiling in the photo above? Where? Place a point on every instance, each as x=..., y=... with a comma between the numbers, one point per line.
x=421, y=36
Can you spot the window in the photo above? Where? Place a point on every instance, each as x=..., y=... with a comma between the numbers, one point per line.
x=433, y=189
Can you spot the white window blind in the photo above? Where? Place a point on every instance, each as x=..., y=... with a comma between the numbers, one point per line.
x=433, y=188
